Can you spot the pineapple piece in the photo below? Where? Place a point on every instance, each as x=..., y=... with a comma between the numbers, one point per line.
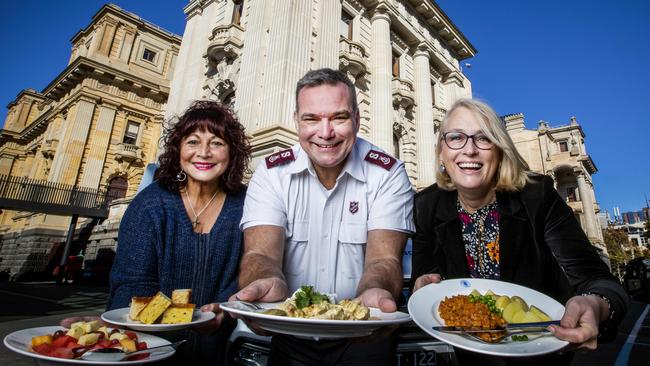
x=88, y=339
x=104, y=330
x=77, y=324
x=37, y=341
x=128, y=345
x=75, y=332
x=90, y=326
x=119, y=336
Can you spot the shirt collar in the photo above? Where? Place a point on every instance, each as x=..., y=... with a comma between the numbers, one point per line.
x=353, y=165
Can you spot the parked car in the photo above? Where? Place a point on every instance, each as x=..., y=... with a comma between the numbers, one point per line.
x=415, y=347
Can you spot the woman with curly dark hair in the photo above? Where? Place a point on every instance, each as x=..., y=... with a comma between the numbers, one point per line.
x=182, y=231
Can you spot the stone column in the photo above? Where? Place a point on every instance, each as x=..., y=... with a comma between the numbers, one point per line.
x=426, y=136
x=250, y=71
x=381, y=99
x=288, y=60
x=67, y=160
x=98, y=144
x=330, y=17
x=587, y=205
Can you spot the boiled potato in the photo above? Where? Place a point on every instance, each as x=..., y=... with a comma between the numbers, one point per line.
x=492, y=295
x=510, y=310
x=502, y=302
x=521, y=302
x=540, y=314
x=475, y=293
x=519, y=316
x=530, y=317
x=276, y=312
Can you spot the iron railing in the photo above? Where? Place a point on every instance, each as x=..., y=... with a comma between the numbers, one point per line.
x=24, y=194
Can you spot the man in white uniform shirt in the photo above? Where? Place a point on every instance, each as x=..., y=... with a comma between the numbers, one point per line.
x=333, y=212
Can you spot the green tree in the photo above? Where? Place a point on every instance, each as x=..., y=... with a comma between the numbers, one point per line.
x=618, y=247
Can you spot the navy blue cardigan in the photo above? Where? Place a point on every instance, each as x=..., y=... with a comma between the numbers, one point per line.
x=158, y=250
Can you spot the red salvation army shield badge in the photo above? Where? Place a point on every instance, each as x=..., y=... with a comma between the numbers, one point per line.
x=354, y=207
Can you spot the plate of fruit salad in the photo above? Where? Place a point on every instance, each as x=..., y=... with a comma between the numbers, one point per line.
x=61, y=345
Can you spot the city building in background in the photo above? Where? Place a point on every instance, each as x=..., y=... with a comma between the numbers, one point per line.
x=403, y=57
x=561, y=153
x=93, y=127
x=98, y=123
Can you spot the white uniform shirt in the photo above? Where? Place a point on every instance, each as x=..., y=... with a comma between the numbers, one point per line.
x=326, y=231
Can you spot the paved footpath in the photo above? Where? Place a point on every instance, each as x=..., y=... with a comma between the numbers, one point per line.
x=34, y=304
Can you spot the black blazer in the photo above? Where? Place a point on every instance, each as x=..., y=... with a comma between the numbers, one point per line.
x=541, y=244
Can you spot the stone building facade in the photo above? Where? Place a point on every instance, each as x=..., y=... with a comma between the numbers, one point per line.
x=95, y=125
x=100, y=119
x=560, y=152
x=403, y=56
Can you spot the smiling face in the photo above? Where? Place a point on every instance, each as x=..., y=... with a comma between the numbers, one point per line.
x=327, y=127
x=471, y=169
x=204, y=157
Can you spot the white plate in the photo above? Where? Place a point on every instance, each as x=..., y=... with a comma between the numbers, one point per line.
x=315, y=328
x=121, y=317
x=423, y=307
x=20, y=342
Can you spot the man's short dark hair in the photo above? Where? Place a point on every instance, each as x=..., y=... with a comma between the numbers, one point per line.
x=330, y=77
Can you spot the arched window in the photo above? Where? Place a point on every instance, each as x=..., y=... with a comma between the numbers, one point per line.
x=117, y=188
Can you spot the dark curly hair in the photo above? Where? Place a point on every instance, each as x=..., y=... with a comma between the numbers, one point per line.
x=204, y=115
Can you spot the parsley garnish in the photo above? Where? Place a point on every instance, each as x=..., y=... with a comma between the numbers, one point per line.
x=307, y=296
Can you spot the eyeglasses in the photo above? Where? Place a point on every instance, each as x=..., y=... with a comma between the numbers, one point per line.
x=458, y=140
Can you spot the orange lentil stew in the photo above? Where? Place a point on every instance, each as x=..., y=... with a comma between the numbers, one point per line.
x=471, y=312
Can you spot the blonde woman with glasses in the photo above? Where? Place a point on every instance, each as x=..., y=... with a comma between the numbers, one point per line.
x=489, y=217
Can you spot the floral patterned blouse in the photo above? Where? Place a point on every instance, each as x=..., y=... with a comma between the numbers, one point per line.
x=480, y=232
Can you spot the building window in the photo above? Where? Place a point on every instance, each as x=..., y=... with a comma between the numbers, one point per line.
x=571, y=194
x=237, y=11
x=395, y=65
x=131, y=133
x=564, y=145
x=346, y=25
x=148, y=55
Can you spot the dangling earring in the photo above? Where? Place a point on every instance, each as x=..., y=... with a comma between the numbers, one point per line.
x=441, y=168
x=181, y=176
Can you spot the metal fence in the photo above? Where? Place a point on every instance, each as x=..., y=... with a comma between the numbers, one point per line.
x=22, y=193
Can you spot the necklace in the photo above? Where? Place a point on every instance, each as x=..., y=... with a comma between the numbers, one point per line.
x=195, y=222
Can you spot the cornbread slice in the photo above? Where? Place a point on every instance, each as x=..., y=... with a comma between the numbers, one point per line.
x=176, y=314
x=137, y=304
x=154, y=308
x=182, y=296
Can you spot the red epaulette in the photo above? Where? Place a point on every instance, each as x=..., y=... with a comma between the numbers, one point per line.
x=279, y=158
x=379, y=158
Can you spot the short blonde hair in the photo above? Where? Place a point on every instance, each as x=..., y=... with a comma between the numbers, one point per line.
x=512, y=173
